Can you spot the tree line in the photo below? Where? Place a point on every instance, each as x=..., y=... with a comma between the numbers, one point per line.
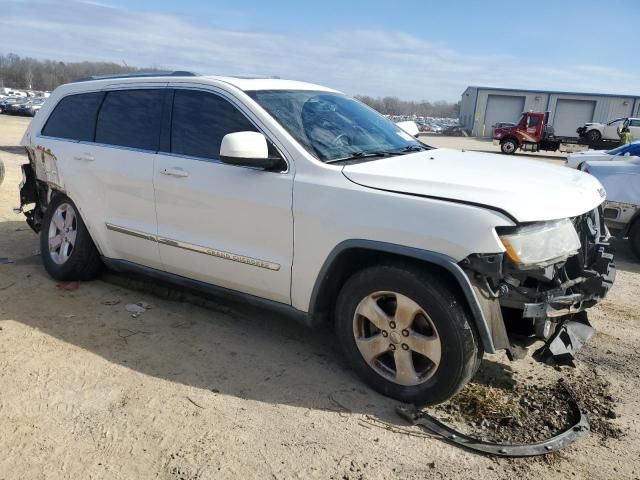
x=396, y=106
x=33, y=74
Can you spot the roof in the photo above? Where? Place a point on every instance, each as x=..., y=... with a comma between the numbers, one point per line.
x=552, y=92
x=249, y=84
x=242, y=83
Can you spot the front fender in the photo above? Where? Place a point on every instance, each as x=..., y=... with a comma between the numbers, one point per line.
x=481, y=318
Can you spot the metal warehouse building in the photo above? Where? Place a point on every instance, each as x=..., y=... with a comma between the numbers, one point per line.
x=482, y=107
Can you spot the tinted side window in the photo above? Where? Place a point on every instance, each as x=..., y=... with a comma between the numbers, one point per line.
x=74, y=117
x=130, y=118
x=200, y=120
x=634, y=123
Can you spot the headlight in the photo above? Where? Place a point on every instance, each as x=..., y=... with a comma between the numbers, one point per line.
x=541, y=244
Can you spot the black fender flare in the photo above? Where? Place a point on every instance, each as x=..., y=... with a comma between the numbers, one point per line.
x=441, y=260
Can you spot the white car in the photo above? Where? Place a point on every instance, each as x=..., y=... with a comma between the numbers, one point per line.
x=594, y=132
x=623, y=152
x=621, y=178
x=301, y=199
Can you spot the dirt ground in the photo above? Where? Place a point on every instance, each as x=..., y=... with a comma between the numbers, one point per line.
x=208, y=389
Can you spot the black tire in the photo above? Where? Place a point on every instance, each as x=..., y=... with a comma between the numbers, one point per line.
x=83, y=261
x=634, y=238
x=594, y=136
x=460, y=352
x=509, y=146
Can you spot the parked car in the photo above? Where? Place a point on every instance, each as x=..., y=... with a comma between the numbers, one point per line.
x=594, y=132
x=621, y=179
x=455, y=131
x=15, y=108
x=6, y=102
x=31, y=108
x=630, y=150
x=296, y=197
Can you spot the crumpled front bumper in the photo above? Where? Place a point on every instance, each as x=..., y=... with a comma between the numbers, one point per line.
x=593, y=285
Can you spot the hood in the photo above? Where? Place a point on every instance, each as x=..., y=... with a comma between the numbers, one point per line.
x=528, y=190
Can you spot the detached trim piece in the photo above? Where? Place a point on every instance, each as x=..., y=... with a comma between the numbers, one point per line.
x=255, y=262
x=563, y=439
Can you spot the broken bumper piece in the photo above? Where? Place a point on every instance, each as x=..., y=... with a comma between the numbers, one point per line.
x=589, y=289
x=563, y=439
x=568, y=338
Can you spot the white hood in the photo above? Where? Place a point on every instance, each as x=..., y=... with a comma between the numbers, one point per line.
x=528, y=190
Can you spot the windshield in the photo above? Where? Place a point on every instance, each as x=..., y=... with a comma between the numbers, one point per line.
x=613, y=122
x=332, y=126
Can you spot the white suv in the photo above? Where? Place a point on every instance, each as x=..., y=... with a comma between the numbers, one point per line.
x=300, y=198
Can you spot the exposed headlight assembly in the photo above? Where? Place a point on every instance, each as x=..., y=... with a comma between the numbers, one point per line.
x=541, y=244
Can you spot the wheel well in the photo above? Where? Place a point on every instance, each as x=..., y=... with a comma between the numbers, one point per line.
x=352, y=260
x=509, y=138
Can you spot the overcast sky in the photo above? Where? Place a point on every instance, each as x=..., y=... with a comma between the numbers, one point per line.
x=412, y=49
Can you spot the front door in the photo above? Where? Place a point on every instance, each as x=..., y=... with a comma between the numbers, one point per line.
x=221, y=224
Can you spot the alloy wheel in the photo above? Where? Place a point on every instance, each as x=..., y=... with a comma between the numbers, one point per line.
x=396, y=337
x=63, y=231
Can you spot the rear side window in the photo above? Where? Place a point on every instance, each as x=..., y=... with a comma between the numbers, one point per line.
x=199, y=122
x=634, y=123
x=131, y=118
x=74, y=117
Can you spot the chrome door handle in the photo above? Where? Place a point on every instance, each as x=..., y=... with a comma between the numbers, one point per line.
x=174, y=172
x=87, y=157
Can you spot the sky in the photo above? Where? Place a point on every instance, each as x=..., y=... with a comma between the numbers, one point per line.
x=416, y=50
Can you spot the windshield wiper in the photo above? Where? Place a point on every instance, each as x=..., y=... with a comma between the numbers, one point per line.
x=360, y=155
x=412, y=148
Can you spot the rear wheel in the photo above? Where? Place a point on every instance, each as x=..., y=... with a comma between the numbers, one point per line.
x=508, y=146
x=406, y=334
x=68, y=252
x=594, y=136
x=634, y=238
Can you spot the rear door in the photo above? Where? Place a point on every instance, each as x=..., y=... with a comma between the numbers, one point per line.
x=221, y=224
x=113, y=173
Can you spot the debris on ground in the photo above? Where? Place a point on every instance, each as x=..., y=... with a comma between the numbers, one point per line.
x=527, y=412
x=5, y=287
x=68, y=286
x=5, y=261
x=136, y=309
x=111, y=302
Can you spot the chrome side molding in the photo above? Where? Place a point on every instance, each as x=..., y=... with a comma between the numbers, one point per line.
x=255, y=262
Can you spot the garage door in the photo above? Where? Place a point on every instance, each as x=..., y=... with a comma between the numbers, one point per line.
x=502, y=108
x=571, y=114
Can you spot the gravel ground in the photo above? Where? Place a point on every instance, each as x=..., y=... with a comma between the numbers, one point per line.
x=195, y=389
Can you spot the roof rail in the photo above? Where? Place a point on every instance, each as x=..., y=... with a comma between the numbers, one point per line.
x=158, y=73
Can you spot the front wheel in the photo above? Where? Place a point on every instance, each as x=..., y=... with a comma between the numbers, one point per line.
x=594, y=136
x=406, y=334
x=68, y=252
x=509, y=146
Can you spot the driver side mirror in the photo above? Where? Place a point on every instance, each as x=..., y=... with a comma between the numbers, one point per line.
x=248, y=149
x=627, y=154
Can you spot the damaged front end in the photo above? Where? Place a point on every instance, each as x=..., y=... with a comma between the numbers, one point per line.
x=545, y=299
